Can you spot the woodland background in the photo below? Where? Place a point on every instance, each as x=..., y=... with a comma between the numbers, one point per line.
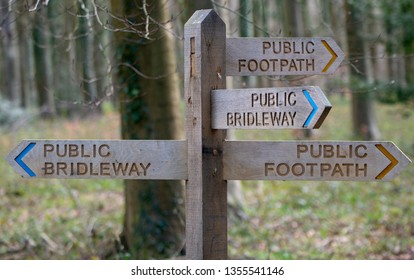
x=96, y=69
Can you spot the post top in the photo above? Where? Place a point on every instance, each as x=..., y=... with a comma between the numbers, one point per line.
x=201, y=16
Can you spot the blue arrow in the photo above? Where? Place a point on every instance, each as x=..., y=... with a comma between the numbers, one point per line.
x=314, y=108
x=19, y=159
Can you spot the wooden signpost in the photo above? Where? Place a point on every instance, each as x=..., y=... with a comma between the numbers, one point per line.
x=206, y=160
x=282, y=56
x=206, y=197
x=269, y=108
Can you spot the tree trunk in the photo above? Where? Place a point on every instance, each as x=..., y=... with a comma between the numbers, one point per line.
x=26, y=69
x=363, y=111
x=150, y=108
x=294, y=25
x=8, y=33
x=409, y=49
x=43, y=65
x=381, y=70
x=103, y=55
x=86, y=50
x=338, y=12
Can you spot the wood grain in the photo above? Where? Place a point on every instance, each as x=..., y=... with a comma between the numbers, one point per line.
x=206, y=199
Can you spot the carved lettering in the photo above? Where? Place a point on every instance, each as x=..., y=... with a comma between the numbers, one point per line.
x=276, y=65
x=331, y=151
x=287, y=47
x=323, y=170
x=91, y=169
x=261, y=119
x=273, y=99
x=76, y=150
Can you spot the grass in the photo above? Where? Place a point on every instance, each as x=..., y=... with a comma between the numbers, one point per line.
x=59, y=219
x=82, y=219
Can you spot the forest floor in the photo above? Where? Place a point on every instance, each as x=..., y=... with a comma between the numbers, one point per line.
x=82, y=219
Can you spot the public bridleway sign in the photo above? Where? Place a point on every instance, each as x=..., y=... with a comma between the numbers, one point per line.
x=76, y=159
x=269, y=108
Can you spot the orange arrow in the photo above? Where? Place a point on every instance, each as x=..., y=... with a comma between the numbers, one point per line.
x=390, y=166
x=334, y=56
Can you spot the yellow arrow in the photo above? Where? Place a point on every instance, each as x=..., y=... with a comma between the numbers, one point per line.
x=390, y=166
x=334, y=56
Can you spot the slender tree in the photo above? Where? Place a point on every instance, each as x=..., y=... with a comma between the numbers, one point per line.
x=104, y=52
x=26, y=66
x=62, y=20
x=86, y=51
x=363, y=111
x=43, y=65
x=11, y=56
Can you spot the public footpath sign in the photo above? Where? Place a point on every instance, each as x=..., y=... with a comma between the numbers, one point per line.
x=282, y=56
x=77, y=159
x=269, y=108
x=312, y=160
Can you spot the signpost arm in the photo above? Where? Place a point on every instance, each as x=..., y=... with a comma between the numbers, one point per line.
x=206, y=197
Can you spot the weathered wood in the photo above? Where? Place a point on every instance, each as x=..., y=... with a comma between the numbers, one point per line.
x=206, y=199
x=269, y=108
x=78, y=159
x=282, y=56
x=312, y=160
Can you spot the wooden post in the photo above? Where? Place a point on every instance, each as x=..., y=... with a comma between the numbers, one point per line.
x=206, y=197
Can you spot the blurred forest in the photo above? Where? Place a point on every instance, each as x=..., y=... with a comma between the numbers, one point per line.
x=59, y=58
x=77, y=58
